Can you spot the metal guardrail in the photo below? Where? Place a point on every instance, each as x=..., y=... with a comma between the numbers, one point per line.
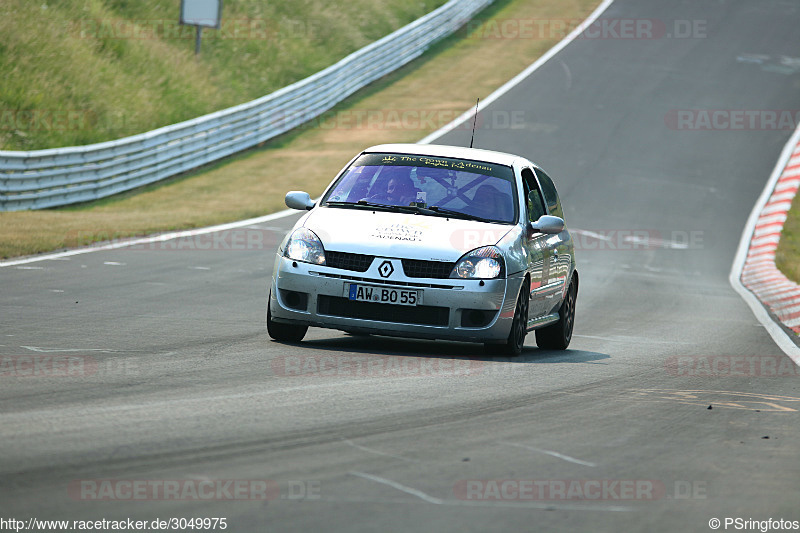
x=61, y=176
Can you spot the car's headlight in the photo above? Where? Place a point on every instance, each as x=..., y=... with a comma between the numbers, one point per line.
x=481, y=263
x=305, y=246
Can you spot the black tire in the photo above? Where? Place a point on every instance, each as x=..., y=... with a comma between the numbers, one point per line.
x=558, y=335
x=516, y=337
x=284, y=332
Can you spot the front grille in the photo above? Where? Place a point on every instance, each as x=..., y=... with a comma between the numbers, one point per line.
x=425, y=315
x=414, y=284
x=348, y=261
x=415, y=268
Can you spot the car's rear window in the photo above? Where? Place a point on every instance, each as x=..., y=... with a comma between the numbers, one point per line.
x=484, y=190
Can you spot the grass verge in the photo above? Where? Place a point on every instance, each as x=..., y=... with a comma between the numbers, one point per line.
x=787, y=256
x=441, y=84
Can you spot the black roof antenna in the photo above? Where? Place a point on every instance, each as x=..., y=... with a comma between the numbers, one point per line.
x=473, y=122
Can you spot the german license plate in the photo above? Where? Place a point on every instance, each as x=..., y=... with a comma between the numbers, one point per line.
x=384, y=295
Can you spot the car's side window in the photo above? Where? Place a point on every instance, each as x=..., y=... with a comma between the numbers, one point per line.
x=550, y=194
x=533, y=197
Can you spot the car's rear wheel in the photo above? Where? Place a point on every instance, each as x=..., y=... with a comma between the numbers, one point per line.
x=284, y=332
x=519, y=327
x=558, y=335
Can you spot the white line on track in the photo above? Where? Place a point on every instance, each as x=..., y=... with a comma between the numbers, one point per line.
x=378, y=452
x=399, y=486
x=474, y=503
x=61, y=350
x=551, y=453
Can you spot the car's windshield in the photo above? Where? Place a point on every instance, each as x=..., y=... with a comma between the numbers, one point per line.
x=458, y=186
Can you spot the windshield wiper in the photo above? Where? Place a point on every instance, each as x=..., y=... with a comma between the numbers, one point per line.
x=383, y=207
x=432, y=210
x=458, y=214
x=361, y=204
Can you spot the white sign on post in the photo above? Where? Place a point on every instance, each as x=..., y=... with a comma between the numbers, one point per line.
x=201, y=13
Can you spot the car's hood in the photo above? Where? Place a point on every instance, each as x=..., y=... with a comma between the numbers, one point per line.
x=385, y=234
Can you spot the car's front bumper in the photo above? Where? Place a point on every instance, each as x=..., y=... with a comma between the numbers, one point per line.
x=452, y=309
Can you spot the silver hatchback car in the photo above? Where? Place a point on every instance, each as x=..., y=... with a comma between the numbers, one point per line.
x=431, y=242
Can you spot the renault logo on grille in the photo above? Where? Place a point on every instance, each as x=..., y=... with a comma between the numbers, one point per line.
x=386, y=269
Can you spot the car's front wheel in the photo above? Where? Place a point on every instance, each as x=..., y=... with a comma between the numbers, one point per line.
x=558, y=335
x=519, y=327
x=284, y=332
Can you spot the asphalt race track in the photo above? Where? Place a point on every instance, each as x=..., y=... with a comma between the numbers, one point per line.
x=176, y=378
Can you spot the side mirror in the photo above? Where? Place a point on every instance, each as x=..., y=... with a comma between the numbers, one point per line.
x=299, y=200
x=548, y=224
